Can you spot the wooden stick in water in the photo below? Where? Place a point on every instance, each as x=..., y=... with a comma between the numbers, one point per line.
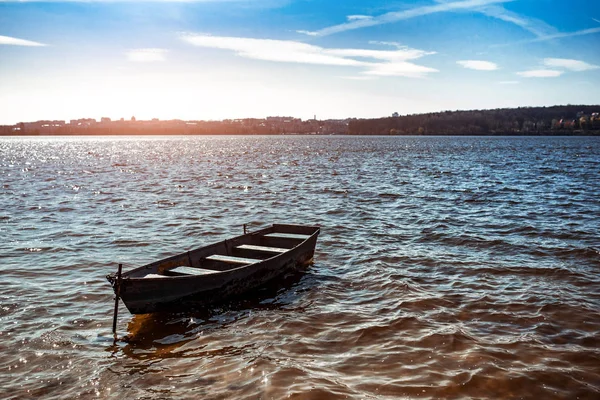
x=117, y=296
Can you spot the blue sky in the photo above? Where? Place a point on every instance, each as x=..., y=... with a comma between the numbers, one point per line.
x=217, y=59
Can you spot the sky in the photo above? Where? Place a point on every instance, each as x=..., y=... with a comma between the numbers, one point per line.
x=225, y=59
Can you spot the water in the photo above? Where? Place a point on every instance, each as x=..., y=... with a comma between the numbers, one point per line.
x=447, y=267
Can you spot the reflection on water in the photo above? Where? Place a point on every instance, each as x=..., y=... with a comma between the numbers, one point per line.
x=446, y=267
x=165, y=332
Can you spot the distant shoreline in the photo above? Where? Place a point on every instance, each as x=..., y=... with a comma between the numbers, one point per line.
x=569, y=120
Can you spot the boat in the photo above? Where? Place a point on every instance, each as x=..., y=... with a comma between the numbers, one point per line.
x=215, y=273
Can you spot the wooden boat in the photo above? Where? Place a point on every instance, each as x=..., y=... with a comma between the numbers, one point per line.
x=215, y=273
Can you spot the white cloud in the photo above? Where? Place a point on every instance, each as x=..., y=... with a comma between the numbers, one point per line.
x=393, y=44
x=550, y=65
x=401, y=68
x=540, y=73
x=573, y=65
x=407, y=14
x=381, y=62
x=478, y=65
x=146, y=55
x=7, y=40
x=271, y=50
x=400, y=54
x=357, y=17
x=309, y=33
x=359, y=78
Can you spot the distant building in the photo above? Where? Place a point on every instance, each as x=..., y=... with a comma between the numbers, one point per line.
x=395, y=115
x=82, y=122
x=104, y=120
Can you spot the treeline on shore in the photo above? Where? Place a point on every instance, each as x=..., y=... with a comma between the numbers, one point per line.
x=556, y=120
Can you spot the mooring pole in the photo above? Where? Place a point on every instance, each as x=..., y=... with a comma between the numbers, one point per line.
x=245, y=230
x=117, y=296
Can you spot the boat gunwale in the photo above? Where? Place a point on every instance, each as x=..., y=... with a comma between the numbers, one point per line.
x=216, y=273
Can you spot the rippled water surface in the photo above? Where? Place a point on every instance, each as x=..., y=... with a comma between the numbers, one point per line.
x=446, y=268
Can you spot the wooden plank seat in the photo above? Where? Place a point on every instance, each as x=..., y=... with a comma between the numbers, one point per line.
x=287, y=236
x=265, y=249
x=154, y=276
x=232, y=260
x=192, y=271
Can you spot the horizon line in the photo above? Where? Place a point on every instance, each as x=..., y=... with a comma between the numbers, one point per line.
x=133, y=119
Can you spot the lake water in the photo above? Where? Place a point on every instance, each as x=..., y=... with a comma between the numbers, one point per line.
x=447, y=267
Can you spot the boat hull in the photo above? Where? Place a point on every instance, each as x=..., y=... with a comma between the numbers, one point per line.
x=142, y=295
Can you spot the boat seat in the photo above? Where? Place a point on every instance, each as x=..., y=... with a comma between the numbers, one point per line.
x=232, y=260
x=274, y=250
x=154, y=276
x=287, y=236
x=192, y=271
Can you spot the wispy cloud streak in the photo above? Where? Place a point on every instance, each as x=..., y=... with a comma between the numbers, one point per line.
x=540, y=73
x=373, y=62
x=478, y=65
x=572, y=65
x=560, y=35
x=358, y=78
x=537, y=27
x=309, y=33
x=403, y=15
x=12, y=41
x=358, y=17
x=555, y=67
x=567, y=34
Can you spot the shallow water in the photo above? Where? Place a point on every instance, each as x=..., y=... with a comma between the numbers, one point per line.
x=447, y=267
